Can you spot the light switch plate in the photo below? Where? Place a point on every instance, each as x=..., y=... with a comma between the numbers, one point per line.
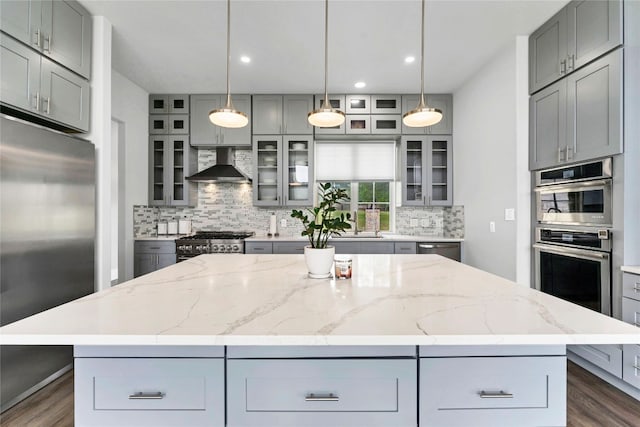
x=283, y=223
x=492, y=226
x=509, y=214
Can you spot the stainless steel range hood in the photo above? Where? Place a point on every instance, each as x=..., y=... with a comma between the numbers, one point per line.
x=223, y=171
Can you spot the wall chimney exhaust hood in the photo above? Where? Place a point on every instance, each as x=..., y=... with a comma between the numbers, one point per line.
x=223, y=171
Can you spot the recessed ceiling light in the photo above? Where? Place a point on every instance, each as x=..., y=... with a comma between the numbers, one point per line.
x=409, y=59
x=245, y=59
x=360, y=85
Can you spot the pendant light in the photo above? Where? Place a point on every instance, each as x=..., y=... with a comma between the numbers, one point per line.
x=422, y=115
x=228, y=116
x=326, y=115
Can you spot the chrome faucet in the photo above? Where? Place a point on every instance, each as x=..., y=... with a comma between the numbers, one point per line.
x=355, y=223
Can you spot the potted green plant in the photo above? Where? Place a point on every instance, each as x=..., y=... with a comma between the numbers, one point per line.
x=320, y=223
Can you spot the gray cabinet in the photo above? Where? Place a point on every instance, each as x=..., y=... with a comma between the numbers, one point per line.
x=404, y=248
x=290, y=247
x=386, y=104
x=427, y=170
x=281, y=115
x=631, y=364
x=631, y=286
x=59, y=29
x=171, y=161
x=168, y=104
x=358, y=104
x=578, y=34
x=443, y=102
x=39, y=86
x=492, y=391
x=149, y=391
x=206, y=134
x=338, y=102
x=258, y=247
x=282, y=169
x=362, y=247
x=607, y=357
x=579, y=117
x=322, y=392
x=150, y=255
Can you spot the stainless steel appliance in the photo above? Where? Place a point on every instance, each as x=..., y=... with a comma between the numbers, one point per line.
x=575, y=195
x=47, y=233
x=575, y=265
x=446, y=249
x=211, y=242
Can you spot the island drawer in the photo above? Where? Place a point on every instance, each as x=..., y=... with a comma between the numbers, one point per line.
x=321, y=392
x=491, y=391
x=318, y=351
x=149, y=392
x=631, y=364
x=631, y=285
x=160, y=247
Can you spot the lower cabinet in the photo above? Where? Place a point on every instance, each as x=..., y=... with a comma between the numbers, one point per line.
x=607, y=357
x=631, y=365
x=366, y=247
x=258, y=247
x=149, y=392
x=493, y=391
x=322, y=392
x=149, y=256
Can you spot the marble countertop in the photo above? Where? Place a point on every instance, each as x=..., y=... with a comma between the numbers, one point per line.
x=635, y=269
x=269, y=300
x=156, y=238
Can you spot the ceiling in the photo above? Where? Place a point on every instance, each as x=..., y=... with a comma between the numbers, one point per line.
x=179, y=46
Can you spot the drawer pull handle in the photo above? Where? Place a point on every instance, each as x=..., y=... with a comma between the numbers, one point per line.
x=636, y=287
x=321, y=397
x=141, y=395
x=636, y=367
x=500, y=395
x=154, y=247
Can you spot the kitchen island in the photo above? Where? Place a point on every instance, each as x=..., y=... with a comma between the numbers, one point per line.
x=168, y=347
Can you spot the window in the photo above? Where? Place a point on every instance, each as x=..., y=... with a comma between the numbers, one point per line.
x=372, y=201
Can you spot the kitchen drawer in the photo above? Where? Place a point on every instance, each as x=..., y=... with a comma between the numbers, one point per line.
x=404, y=247
x=631, y=311
x=258, y=248
x=376, y=247
x=313, y=392
x=631, y=286
x=318, y=351
x=186, y=391
x=607, y=357
x=631, y=364
x=493, y=391
x=160, y=247
x=289, y=247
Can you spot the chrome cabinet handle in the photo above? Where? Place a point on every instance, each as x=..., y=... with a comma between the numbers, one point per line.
x=37, y=34
x=222, y=139
x=636, y=367
x=426, y=246
x=563, y=66
x=499, y=395
x=568, y=153
x=636, y=287
x=48, y=101
x=312, y=397
x=572, y=61
x=47, y=44
x=36, y=97
x=560, y=150
x=142, y=395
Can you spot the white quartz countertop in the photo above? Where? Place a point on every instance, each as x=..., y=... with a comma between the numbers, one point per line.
x=360, y=237
x=635, y=269
x=159, y=238
x=269, y=300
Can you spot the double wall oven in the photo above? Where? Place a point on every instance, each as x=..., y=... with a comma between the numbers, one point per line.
x=573, y=239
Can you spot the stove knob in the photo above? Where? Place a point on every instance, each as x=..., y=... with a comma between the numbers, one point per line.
x=228, y=248
x=221, y=248
x=180, y=248
x=236, y=248
x=188, y=248
x=214, y=248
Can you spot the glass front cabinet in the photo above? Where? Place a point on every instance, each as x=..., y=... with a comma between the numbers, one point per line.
x=171, y=160
x=282, y=170
x=427, y=171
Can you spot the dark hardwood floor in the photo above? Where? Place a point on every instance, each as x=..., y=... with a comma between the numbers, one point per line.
x=591, y=402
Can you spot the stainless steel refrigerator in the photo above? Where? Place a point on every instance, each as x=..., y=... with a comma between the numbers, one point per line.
x=47, y=235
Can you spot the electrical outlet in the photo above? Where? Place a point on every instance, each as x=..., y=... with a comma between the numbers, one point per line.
x=492, y=226
x=413, y=222
x=283, y=223
x=509, y=214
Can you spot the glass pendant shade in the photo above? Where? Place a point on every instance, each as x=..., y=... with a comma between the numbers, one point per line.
x=326, y=116
x=422, y=115
x=228, y=117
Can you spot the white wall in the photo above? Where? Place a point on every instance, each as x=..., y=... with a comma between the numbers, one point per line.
x=130, y=107
x=488, y=148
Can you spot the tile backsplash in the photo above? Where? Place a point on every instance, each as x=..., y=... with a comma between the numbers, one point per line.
x=230, y=207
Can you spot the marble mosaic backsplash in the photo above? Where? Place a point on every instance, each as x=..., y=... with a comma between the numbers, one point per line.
x=230, y=207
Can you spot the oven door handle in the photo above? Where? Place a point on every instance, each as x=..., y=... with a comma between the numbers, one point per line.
x=573, y=186
x=572, y=252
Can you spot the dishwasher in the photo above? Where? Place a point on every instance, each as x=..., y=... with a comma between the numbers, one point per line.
x=446, y=249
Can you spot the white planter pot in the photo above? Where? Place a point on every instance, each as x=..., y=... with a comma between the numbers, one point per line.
x=319, y=261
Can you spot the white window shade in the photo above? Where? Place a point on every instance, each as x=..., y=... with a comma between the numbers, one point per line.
x=355, y=161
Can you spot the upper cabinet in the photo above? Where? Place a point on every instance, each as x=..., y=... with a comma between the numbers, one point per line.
x=41, y=87
x=59, y=29
x=581, y=32
x=206, y=134
x=579, y=117
x=281, y=114
x=427, y=171
x=442, y=102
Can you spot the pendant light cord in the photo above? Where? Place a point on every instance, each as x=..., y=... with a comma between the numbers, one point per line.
x=228, y=52
x=422, y=104
x=326, y=54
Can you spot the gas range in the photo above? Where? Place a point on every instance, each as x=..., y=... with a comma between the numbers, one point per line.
x=211, y=242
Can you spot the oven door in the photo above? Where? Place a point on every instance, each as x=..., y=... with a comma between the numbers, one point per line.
x=575, y=275
x=584, y=203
